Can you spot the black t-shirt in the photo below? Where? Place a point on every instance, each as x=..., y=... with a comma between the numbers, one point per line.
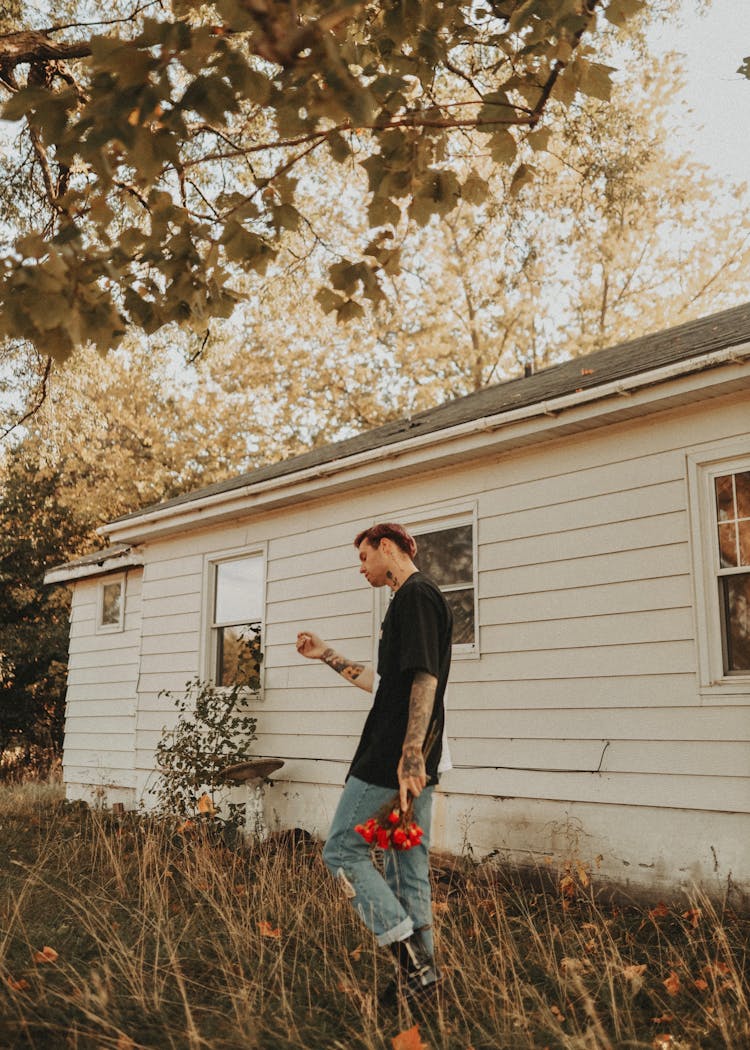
x=415, y=636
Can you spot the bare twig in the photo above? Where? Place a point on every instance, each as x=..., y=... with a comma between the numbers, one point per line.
x=34, y=408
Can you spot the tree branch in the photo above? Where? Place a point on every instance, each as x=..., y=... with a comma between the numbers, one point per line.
x=35, y=408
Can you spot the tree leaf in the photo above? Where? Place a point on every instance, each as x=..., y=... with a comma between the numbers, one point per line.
x=618, y=12
x=522, y=176
x=409, y=1039
x=350, y=310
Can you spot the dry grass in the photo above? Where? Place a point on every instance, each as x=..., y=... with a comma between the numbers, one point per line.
x=167, y=941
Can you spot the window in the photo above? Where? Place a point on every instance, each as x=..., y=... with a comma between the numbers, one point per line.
x=732, y=508
x=236, y=621
x=446, y=555
x=719, y=481
x=111, y=605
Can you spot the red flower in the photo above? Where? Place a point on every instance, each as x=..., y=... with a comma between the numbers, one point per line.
x=391, y=828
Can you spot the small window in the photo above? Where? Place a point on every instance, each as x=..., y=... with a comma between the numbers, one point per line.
x=446, y=555
x=111, y=610
x=236, y=622
x=732, y=553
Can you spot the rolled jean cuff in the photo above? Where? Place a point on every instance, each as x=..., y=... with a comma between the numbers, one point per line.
x=397, y=933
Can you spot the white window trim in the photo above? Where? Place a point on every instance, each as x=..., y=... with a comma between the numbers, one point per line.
x=207, y=661
x=432, y=520
x=702, y=467
x=107, y=581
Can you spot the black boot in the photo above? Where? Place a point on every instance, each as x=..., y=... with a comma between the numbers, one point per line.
x=418, y=977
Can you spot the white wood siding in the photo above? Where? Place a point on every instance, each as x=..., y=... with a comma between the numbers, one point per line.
x=585, y=694
x=99, y=753
x=586, y=624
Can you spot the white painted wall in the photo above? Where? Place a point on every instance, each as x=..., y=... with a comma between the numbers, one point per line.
x=100, y=711
x=580, y=732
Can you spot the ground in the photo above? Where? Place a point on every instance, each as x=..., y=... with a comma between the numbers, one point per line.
x=125, y=933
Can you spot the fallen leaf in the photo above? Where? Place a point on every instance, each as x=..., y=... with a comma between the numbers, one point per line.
x=46, y=955
x=672, y=983
x=659, y=911
x=583, y=875
x=205, y=804
x=700, y=984
x=664, y=1019
x=185, y=826
x=18, y=986
x=663, y=1042
x=557, y=1013
x=409, y=1040
x=356, y=953
x=587, y=371
x=567, y=885
x=694, y=915
x=634, y=972
x=722, y=969
x=438, y=907
x=267, y=930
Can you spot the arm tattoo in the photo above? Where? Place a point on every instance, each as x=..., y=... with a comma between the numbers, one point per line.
x=421, y=703
x=347, y=668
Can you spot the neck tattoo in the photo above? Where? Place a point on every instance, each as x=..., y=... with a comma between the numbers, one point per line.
x=393, y=580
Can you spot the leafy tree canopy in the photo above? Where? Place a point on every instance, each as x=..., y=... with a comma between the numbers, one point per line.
x=171, y=143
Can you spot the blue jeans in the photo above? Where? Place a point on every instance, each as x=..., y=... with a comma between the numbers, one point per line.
x=397, y=903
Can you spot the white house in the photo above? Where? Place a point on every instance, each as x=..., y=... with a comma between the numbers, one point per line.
x=591, y=526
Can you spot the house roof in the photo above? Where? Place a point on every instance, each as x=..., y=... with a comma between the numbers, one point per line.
x=115, y=558
x=600, y=368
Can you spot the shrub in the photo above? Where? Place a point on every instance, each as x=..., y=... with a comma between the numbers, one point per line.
x=212, y=732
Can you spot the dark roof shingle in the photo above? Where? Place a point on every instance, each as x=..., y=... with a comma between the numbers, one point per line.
x=716, y=332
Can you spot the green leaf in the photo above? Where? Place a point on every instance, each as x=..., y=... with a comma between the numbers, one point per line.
x=522, y=176
x=503, y=147
x=243, y=246
x=539, y=139
x=595, y=79
x=376, y=170
x=338, y=146
x=286, y=217
x=245, y=80
x=350, y=310
x=211, y=97
x=382, y=211
x=421, y=210
x=329, y=300
x=474, y=189
x=618, y=12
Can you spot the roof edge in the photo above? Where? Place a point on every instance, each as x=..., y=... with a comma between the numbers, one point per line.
x=158, y=520
x=99, y=563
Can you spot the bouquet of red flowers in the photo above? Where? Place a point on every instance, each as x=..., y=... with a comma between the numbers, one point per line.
x=390, y=828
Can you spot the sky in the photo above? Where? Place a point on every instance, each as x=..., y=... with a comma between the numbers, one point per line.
x=712, y=113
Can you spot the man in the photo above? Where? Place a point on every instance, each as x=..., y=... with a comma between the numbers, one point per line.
x=413, y=662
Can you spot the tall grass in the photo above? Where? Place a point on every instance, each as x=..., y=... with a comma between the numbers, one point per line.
x=162, y=940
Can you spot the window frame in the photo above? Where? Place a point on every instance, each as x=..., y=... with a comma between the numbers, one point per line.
x=715, y=684
x=419, y=522
x=209, y=649
x=109, y=581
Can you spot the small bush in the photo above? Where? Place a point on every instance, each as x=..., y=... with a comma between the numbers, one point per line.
x=212, y=732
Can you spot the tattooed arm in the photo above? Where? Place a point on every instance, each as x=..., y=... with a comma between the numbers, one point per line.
x=314, y=648
x=412, y=775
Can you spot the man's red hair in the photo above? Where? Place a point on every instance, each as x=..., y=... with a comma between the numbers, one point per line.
x=387, y=530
